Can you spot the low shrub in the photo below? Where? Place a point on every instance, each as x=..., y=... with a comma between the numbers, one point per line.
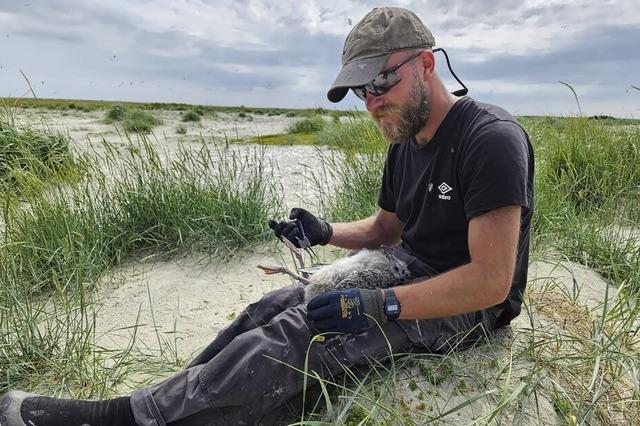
x=312, y=124
x=138, y=121
x=132, y=120
x=191, y=116
x=116, y=113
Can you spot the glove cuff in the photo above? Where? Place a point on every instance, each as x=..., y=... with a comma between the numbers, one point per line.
x=373, y=302
x=327, y=232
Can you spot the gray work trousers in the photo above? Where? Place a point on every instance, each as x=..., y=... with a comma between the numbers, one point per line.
x=253, y=367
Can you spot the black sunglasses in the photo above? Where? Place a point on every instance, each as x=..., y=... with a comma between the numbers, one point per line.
x=388, y=78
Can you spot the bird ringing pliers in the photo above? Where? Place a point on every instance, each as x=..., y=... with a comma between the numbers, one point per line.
x=304, y=242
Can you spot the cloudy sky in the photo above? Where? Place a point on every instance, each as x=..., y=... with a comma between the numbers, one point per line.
x=286, y=53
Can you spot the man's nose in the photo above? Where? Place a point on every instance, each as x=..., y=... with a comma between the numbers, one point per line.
x=374, y=102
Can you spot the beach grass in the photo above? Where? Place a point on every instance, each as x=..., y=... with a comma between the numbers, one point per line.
x=564, y=361
x=32, y=156
x=192, y=115
x=132, y=120
x=307, y=125
x=354, y=165
x=138, y=200
x=305, y=131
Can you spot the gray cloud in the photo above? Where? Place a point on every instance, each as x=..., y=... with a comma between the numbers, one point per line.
x=286, y=53
x=604, y=54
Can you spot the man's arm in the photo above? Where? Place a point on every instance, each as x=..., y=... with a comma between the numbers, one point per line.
x=383, y=228
x=485, y=281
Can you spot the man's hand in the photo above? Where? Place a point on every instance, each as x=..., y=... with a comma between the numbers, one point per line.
x=316, y=230
x=349, y=311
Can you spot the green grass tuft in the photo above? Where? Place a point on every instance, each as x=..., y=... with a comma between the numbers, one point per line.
x=138, y=121
x=311, y=124
x=132, y=120
x=354, y=166
x=29, y=157
x=116, y=113
x=191, y=116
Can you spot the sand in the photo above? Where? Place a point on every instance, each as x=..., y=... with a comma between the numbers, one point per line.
x=88, y=128
x=186, y=301
x=193, y=297
x=291, y=166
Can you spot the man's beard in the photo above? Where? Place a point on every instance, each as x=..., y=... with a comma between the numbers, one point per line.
x=409, y=118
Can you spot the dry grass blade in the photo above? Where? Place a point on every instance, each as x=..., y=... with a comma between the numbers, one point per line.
x=574, y=94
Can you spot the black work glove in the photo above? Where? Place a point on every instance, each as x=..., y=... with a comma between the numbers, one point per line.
x=349, y=311
x=316, y=230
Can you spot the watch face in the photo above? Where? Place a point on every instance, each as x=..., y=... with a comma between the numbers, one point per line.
x=391, y=305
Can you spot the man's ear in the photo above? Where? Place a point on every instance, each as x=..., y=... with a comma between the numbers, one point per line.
x=428, y=62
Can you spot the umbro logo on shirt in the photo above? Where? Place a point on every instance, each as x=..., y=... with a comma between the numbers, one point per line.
x=444, y=188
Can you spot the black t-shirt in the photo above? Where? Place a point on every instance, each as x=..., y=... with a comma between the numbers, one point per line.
x=479, y=159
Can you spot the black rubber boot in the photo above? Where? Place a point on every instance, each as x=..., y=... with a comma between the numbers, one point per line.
x=23, y=409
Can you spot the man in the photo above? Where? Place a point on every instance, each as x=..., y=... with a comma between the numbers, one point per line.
x=457, y=195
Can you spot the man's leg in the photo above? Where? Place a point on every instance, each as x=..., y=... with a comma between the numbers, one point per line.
x=258, y=371
x=329, y=359
x=441, y=335
x=248, y=378
x=255, y=315
x=17, y=408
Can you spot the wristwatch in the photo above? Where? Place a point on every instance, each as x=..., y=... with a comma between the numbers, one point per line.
x=391, y=304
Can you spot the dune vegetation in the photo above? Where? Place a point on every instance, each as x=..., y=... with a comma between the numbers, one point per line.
x=566, y=360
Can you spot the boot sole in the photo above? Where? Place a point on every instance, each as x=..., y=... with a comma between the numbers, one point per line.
x=10, y=408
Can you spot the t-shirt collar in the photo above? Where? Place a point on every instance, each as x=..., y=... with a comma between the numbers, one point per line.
x=443, y=129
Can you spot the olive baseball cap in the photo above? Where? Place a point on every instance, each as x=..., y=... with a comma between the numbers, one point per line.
x=368, y=46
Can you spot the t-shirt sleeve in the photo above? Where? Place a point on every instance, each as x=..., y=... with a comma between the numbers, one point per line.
x=495, y=168
x=387, y=198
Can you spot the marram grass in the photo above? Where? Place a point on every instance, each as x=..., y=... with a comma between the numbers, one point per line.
x=31, y=156
x=353, y=169
x=137, y=199
x=132, y=120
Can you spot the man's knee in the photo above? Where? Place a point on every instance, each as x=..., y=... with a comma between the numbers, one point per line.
x=372, y=345
x=279, y=299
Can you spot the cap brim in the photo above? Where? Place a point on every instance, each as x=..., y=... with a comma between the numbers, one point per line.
x=354, y=74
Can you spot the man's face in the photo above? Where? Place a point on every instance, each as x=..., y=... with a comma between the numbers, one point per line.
x=402, y=111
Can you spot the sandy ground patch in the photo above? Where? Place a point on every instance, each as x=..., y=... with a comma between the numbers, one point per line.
x=189, y=299
x=88, y=128
x=291, y=166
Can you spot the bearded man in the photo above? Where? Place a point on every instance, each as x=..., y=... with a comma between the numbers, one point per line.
x=456, y=201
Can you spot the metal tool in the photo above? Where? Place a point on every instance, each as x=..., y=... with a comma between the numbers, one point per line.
x=305, y=244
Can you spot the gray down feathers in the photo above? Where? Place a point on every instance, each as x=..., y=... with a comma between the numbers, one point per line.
x=368, y=269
